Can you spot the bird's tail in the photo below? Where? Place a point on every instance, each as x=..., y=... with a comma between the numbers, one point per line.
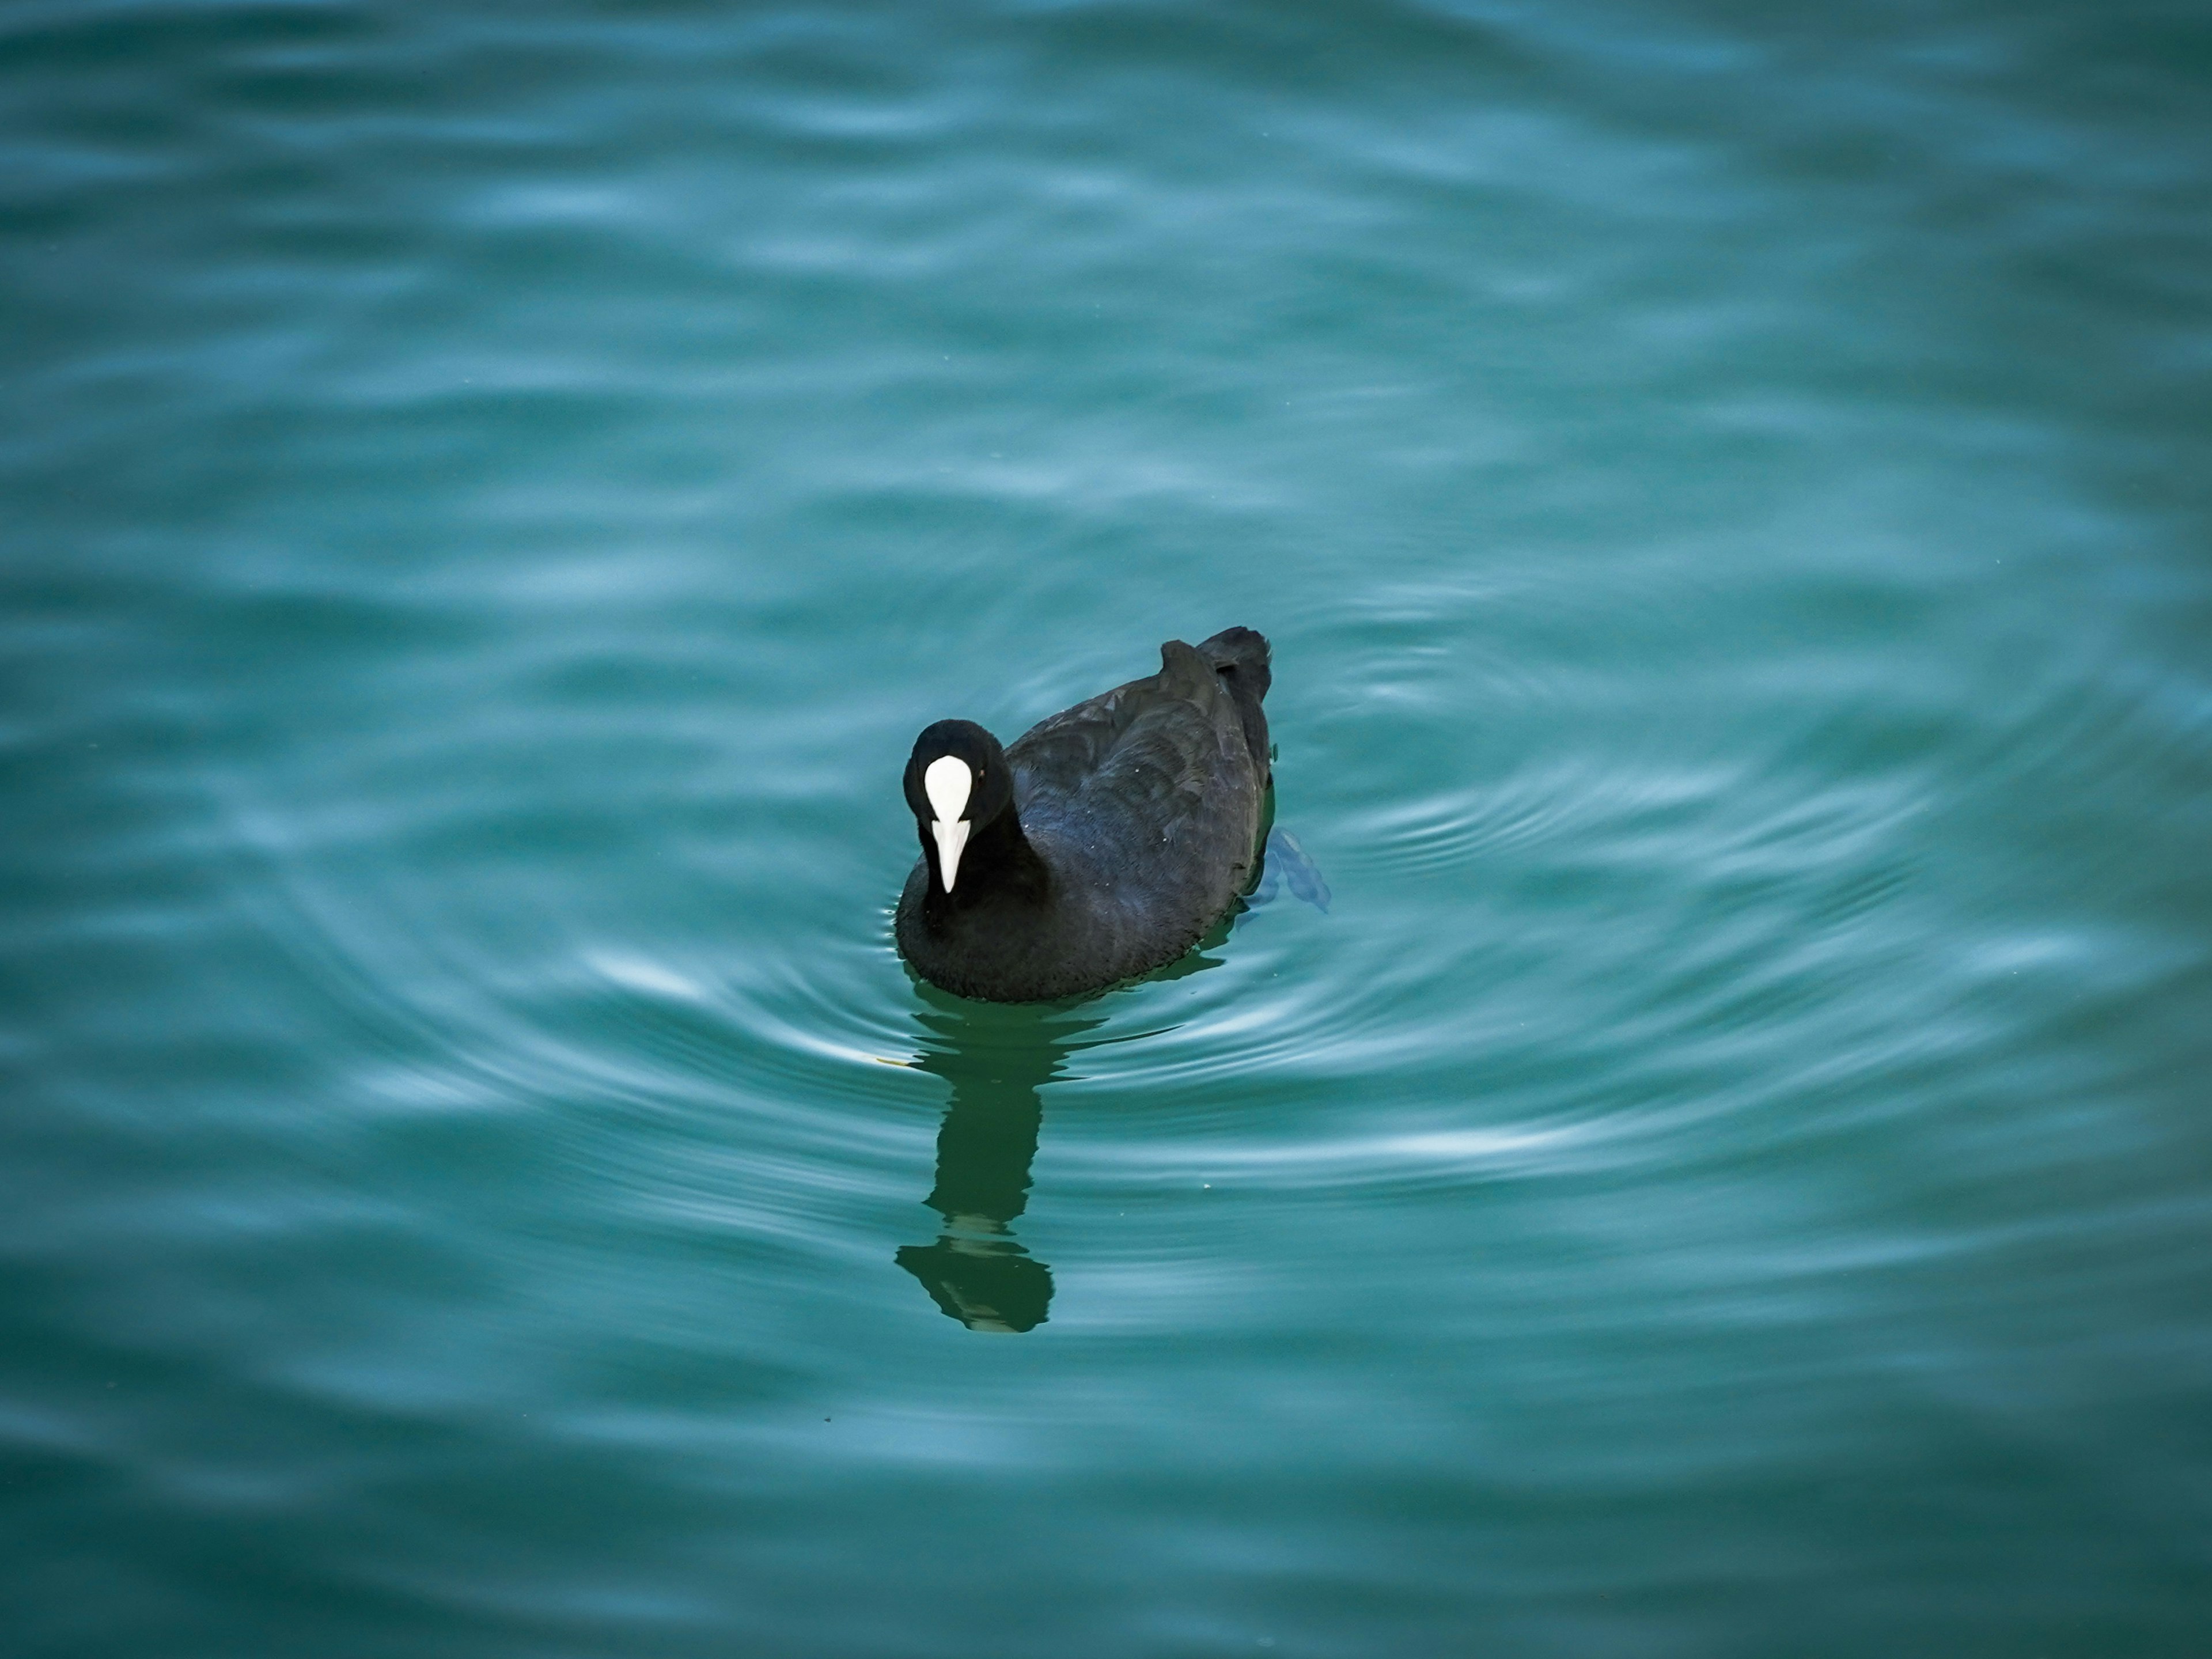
x=1241, y=653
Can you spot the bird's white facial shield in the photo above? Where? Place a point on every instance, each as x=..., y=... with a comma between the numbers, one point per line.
x=946, y=782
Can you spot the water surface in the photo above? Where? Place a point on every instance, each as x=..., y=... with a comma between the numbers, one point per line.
x=491, y=494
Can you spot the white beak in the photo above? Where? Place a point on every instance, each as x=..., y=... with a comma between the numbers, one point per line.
x=950, y=838
x=946, y=782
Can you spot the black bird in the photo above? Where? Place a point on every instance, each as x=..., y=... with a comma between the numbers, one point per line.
x=1104, y=843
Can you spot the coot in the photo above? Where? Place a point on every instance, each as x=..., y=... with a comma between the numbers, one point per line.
x=1104, y=842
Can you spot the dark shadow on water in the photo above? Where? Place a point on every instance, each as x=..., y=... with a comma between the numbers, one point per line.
x=1288, y=864
x=1282, y=861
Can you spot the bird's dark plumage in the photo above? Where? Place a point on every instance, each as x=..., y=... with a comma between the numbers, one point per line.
x=1104, y=840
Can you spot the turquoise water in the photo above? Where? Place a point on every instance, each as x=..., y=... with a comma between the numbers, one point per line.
x=492, y=492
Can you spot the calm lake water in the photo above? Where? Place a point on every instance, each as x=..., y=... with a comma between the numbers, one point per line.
x=491, y=493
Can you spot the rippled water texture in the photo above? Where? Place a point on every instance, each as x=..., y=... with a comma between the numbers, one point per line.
x=491, y=493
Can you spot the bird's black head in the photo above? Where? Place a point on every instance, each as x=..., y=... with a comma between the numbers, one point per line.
x=957, y=781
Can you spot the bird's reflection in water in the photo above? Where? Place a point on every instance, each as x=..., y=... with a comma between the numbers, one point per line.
x=997, y=1056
